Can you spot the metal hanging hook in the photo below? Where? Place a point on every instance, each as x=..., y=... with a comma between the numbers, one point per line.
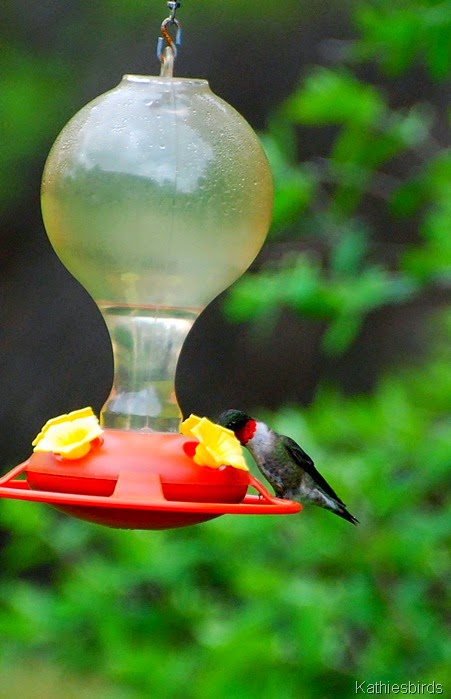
x=166, y=44
x=173, y=6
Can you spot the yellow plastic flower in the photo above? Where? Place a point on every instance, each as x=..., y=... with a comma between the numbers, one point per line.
x=69, y=435
x=217, y=446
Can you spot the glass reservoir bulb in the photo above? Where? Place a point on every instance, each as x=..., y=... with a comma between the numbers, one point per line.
x=156, y=196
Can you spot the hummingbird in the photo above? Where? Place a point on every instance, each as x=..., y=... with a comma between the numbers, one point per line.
x=287, y=467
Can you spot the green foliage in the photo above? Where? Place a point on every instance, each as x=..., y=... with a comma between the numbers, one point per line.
x=432, y=190
x=334, y=97
x=400, y=34
x=245, y=606
x=343, y=297
x=30, y=105
x=321, y=203
x=293, y=184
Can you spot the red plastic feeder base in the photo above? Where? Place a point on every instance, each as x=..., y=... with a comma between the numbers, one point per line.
x=139, y=481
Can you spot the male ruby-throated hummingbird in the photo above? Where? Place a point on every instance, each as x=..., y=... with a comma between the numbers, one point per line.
x=284, y=464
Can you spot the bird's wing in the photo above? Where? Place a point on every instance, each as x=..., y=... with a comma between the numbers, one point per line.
x=306, y=463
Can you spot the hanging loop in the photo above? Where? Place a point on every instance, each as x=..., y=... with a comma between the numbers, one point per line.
x=167, y=46
x=167, y=39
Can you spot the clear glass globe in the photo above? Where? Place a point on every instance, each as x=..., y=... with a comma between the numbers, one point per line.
x=156, y=196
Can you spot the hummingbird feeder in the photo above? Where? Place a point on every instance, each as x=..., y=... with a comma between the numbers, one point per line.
x=156, y=196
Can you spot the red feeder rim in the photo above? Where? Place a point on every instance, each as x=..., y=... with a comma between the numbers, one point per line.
x=140, y=481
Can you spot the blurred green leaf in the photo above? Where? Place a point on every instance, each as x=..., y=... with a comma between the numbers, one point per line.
x=399, y=35
x=348, y=254
x=334, y=97
x=294, y=185
x=390, y=34
x=344, y=298
x=359, y=152
x=31, y=104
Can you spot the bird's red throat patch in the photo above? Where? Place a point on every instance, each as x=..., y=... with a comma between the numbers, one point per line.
x=247, y=432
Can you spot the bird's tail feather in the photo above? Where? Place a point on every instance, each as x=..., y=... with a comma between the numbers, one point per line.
x=341, y=511
x=333, y=505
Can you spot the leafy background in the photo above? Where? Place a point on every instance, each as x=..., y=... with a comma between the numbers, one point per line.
x=338, y=336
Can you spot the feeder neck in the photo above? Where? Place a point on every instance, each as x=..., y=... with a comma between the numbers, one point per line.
x=146, y=345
